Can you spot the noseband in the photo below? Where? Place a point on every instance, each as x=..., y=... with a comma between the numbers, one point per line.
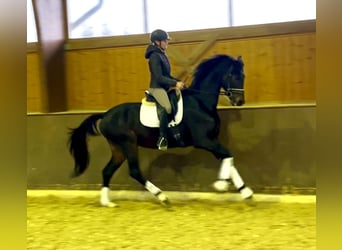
x=230, y=91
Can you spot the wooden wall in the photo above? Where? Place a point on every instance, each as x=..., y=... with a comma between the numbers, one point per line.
x=273, y=148
x=279, y=67
x=34, y=91
x=100, y=78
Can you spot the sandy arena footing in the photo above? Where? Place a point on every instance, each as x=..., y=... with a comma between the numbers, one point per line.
x=172, y=195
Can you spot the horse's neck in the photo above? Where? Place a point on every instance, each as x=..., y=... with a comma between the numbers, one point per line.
x=207, y=96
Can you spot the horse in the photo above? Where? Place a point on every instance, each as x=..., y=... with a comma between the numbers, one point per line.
x=200, y=126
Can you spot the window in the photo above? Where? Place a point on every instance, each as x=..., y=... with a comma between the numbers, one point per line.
x=94, y=18
x=179, y=15
x=124, y=17
x=31, y=24
x=98, y=18
x=247, y=12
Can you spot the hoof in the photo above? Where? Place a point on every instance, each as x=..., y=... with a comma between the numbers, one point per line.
x=246, y=193
x=221, y=185
x=250, y=201
x=164, y=200
x=166, y=203
x=108, y=204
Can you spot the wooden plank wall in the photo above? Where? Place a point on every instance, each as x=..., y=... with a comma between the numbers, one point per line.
x=101, y=78
x=34, y=91
x=279, y=69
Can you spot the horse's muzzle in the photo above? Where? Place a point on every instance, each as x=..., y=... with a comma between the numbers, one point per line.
x=240, y=102
x=237, y=101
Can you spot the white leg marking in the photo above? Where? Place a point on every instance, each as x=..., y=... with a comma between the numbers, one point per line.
x=228, y=171
x=162, y=197
x=236, y=178
x=225, y=172
x=246, y=192
x=156, y=192
x=222, y=185
x=152, y=188
x=104, y=200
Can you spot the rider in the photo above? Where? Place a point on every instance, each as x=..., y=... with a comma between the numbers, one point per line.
x=161, y=80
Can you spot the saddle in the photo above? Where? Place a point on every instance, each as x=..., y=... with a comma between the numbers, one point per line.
x=148, y=109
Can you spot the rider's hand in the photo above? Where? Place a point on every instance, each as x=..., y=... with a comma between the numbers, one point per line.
x=180, y=85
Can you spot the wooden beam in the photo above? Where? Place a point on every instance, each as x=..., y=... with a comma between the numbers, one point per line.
x=228, y=33
x=189, y=63
x=50, y=20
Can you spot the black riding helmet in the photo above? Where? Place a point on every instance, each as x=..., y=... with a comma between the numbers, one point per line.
x=159, y=35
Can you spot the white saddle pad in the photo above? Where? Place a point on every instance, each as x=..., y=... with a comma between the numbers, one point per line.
x=149, y=116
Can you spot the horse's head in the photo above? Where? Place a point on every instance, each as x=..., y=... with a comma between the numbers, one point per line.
x=233, y=82
x=221, y=71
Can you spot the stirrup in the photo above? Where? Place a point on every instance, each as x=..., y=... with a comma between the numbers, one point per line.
x=162, y=143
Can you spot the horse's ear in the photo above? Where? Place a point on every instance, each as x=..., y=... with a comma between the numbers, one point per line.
x=239, y=59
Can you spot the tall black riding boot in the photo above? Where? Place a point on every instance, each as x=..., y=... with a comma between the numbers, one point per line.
x=163, y=119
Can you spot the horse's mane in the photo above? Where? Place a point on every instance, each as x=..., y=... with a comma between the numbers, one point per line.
x=210, y=67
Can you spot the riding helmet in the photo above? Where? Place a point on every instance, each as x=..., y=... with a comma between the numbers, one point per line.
x=159, y=35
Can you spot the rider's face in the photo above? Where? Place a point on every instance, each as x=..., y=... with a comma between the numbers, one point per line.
x=163, y=44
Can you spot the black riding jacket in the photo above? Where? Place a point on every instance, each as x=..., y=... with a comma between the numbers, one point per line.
x=159, y=68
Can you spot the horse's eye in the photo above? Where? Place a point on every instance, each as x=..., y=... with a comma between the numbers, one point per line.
x=240, y=76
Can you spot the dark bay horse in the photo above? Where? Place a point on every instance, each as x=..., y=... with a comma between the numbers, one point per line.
x=199, y=127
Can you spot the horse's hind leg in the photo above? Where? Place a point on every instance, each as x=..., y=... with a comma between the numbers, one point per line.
x=114, y=163
x=131, y=153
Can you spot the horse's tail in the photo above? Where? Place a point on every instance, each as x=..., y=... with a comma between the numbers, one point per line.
x=78, y=143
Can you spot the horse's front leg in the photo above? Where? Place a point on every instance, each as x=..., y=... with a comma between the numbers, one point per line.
x=229, y=172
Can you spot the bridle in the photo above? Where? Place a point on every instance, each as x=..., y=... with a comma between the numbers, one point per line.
x=230, y=91
x=227, y=92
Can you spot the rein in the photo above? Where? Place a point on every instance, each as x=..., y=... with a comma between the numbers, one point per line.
x=227, y=92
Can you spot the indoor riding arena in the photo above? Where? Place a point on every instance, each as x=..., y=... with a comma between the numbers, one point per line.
x=272, y=139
